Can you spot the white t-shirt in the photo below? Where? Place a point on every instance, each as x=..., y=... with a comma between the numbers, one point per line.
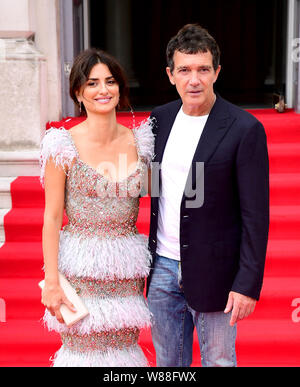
x=176, y=163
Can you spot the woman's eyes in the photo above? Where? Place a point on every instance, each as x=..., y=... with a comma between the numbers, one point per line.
x=109, y=82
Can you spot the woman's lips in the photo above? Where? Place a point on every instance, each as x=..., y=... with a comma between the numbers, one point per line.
x=103, y=100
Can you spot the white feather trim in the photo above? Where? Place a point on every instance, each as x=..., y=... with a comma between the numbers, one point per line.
x=96, y=258
x=129, y=357
x=56, y=145
x=106, y=314
x=145, y=140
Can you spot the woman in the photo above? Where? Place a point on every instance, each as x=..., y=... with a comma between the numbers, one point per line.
x=95, y=171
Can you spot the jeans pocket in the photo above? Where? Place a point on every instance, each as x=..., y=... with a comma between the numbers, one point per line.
x=163, y=279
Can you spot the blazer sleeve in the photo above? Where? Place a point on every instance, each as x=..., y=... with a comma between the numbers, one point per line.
x=252, y=174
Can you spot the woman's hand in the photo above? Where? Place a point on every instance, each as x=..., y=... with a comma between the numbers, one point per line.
x=52, y=298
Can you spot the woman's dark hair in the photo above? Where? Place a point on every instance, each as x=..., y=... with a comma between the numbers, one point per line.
x=82, y=68
x=192, y=39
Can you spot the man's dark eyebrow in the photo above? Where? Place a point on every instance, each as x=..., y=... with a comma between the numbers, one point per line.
x=202, y=67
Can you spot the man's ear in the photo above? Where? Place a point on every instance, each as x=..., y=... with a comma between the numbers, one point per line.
x=217, y=72
x=170, y=75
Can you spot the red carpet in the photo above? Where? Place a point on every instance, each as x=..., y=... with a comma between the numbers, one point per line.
x=269, y=337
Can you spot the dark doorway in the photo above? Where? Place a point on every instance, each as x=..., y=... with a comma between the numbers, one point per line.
x=251, y=35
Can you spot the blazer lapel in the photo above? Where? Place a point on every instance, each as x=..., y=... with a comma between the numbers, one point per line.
x=217, y=125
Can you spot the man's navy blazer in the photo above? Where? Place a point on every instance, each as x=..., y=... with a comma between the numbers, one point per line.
x=223, y=242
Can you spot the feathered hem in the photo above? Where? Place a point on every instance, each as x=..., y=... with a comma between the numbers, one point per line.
x=102, y=259
x=129, y=357
x=105, y=315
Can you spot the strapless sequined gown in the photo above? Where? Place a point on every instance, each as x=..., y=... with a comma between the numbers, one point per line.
x=103, y=256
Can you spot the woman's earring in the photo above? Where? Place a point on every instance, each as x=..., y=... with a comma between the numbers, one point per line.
x=80, y=108
x=133, y=117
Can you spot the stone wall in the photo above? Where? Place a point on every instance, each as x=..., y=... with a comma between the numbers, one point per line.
x=23, y=95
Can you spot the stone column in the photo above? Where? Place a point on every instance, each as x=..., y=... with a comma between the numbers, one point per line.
x=30, y=78
x=23, y=108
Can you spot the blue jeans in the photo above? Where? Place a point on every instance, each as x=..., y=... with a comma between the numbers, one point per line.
x=174, y=322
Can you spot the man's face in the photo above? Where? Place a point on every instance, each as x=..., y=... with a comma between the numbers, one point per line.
x=194, y=77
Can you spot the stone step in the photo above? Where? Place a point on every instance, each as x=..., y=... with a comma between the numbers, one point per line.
x=3, y=212
x=19, y=163
x=5, y=196
x=5, y=203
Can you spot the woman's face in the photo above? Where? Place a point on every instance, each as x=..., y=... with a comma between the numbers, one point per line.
x=100, y=94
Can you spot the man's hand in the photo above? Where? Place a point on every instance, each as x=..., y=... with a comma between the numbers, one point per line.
x=240, y=305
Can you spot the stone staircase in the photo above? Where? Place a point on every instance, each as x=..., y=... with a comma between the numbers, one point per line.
x=13, y=164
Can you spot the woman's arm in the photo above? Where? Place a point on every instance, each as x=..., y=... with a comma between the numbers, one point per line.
x=52, y=294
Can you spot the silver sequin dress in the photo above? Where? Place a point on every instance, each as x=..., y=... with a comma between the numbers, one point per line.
x=102, y=255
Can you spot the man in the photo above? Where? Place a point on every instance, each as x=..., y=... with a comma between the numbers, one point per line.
x=210, y=212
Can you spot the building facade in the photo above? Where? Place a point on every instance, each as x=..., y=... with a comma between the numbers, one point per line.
x=259, y=41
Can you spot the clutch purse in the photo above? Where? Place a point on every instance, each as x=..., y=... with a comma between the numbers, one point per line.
x=70, y=318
